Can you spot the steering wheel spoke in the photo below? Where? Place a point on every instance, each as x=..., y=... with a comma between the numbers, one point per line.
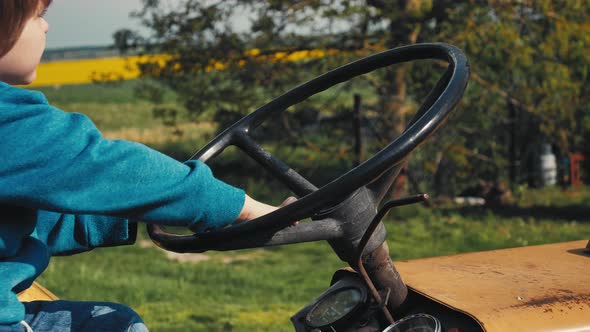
x=288, y=176
x=381, y=185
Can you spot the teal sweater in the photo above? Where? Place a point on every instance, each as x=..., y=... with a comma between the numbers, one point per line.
x=65, y=189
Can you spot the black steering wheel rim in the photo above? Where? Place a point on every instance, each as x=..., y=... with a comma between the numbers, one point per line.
x=435, y=109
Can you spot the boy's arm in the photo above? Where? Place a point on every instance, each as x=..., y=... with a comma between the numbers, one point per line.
x=66, y=234
x=59, y=161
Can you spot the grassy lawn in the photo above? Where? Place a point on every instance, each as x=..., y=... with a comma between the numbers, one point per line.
x=259, y=289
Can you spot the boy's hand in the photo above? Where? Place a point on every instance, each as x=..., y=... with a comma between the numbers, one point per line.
x=253, y=209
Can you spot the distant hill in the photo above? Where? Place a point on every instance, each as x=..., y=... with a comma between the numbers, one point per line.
x=79, y=53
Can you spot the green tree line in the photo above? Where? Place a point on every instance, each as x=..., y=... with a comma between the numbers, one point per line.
x=529, y=64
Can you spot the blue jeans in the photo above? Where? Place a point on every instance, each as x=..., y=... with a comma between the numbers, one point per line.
x=68, y=316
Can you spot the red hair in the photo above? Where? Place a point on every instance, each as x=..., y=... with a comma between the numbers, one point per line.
x=14, y=14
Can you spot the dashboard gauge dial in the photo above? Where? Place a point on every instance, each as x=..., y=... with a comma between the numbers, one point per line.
x=416, y=323
x=334, y=307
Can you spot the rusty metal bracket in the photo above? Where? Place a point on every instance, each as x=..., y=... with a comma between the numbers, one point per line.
x=365, y=239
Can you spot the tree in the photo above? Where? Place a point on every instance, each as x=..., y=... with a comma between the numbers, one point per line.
x=530, y=56
x=527, y=56
x=125, y=40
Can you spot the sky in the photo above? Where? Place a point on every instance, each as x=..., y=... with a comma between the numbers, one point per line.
x=74, y=23
x=88, y=22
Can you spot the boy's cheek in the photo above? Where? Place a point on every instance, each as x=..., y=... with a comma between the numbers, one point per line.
x=13, y=78
x=30, y=78
x=17, y=72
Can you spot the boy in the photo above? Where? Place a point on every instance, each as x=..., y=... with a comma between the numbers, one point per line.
x=65, y=189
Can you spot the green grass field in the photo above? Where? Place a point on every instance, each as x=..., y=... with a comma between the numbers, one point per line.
x=259, y=289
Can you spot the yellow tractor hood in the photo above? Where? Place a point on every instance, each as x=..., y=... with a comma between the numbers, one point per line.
x=536, y=288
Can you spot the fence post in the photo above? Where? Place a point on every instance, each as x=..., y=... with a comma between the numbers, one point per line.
x=513, y=164
x=356, y=125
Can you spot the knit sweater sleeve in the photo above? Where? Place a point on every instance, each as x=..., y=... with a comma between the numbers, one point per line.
x=58, y=161
x=66, y=234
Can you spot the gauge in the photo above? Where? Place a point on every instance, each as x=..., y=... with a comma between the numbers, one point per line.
x=416, y=323
x=334, y=307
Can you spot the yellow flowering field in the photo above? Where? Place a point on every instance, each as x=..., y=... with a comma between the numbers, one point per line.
x=84, y=71
x=124, y=68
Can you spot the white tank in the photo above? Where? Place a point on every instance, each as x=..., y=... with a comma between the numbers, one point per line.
x=548, y=166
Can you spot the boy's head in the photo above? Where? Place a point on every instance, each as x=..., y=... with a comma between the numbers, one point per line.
x=22, y=39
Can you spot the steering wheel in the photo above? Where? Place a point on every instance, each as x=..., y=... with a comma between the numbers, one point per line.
x=371, y=179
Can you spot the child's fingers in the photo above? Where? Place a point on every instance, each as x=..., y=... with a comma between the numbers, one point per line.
x=288, y=201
